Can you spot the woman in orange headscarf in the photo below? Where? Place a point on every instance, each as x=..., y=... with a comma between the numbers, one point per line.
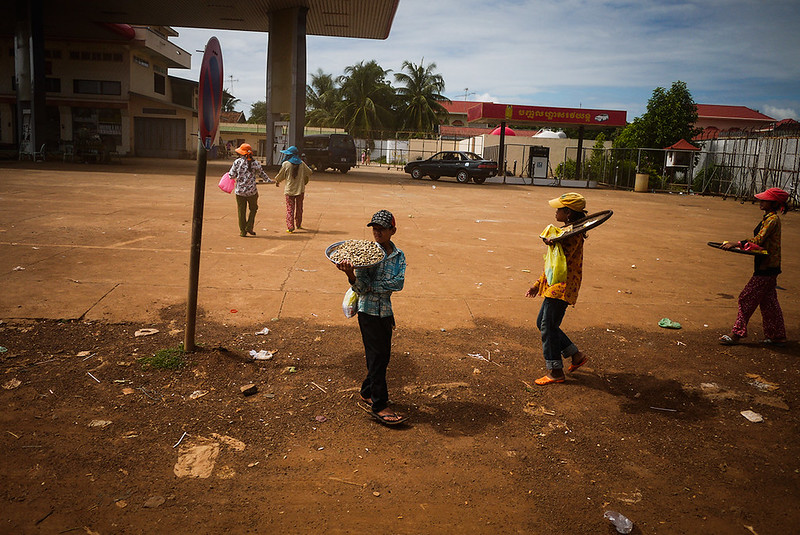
x=243, y=171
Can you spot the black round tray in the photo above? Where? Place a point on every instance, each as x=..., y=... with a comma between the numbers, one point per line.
x=582, y=225
x=718, y=245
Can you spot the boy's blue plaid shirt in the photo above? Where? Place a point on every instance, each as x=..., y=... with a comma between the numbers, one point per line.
x=375, y=285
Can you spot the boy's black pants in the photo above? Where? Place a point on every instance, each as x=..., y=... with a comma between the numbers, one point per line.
x=376, y=332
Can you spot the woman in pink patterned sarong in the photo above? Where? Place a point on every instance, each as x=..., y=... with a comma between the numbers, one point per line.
x=296, y=174
x=761, y=291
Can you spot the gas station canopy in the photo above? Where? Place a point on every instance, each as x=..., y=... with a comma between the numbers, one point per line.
x=366, y=19
x=509, y=113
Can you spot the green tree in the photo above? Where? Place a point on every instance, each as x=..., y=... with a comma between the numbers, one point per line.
x=597, y=160
x=322, y=100
x=367, y=100
x=258, y=113
x=229, y=102
x=670, y=117
x=419, y=97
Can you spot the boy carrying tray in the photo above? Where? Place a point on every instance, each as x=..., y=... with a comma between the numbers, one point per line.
x=375, y=285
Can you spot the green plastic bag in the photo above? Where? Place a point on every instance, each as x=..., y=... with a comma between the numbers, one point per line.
x=555, y=262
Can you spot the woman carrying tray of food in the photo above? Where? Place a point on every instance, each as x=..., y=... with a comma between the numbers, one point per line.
x=760, y=290
x=375, y=285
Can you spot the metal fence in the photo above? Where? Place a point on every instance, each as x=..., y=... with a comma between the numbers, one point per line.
x=394, y=150
x=743, y=166
x=735, y=164
x=618, y=167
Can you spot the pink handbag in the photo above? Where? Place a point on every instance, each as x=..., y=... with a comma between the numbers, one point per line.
x=226, y=183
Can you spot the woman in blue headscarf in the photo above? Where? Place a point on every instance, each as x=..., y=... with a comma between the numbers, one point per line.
x=296, y=174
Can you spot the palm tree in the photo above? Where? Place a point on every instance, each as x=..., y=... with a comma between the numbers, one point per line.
x=420, y=95
x=229, y=102
x=322, y=99
x=367, y=99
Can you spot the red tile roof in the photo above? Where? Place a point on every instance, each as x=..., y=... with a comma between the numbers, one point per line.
x=730, y=112
x=459, y=106
x=681, y=145
x=232, y=117
x=787, y=123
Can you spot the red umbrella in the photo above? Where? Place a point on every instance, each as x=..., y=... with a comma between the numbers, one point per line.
x=496, y=132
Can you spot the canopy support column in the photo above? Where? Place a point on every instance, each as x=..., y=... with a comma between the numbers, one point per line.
x=286, y=75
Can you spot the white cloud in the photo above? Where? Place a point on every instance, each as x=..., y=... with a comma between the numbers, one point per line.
x=608, y=55
x=780, y=113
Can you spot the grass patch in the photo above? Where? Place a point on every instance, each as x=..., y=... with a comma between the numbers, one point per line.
x=165, y=359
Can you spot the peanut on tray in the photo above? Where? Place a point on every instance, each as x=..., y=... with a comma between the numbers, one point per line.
x=357, y=252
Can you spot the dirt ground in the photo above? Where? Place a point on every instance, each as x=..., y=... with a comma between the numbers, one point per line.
x=652, y=427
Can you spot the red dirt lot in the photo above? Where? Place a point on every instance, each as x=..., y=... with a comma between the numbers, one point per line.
x=93, y=442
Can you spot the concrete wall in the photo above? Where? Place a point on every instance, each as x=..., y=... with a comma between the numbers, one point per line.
x=727, y=124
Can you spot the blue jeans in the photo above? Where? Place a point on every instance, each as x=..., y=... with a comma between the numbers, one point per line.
x=554, y=342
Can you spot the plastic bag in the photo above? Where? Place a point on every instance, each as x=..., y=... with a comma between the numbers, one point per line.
x=226, y=183
x=555, y=262
x=350, y=303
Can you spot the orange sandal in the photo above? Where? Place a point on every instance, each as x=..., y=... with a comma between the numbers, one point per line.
x=546, y=380
x=573, y=367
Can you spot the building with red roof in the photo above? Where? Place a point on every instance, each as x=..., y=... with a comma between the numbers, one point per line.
x=724, y=117
x=457, y=113
x=232, y=117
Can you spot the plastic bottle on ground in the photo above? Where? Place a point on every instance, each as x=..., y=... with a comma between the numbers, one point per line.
x=620, y=521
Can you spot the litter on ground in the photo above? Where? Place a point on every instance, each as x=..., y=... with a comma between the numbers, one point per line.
x=752, y=416
x=145, y=332
x=261, y=355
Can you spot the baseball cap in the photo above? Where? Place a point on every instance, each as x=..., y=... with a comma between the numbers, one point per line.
x=773, y=194
x=382, y=218
x=573, y=201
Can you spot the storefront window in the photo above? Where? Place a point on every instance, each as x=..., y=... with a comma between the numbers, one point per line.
x=96, y=132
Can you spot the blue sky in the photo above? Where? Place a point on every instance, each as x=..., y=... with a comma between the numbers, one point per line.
x=606, y=54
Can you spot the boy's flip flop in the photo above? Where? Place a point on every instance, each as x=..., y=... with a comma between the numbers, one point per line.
x=365, y=400
x=727, y=340
x=382, y=419
x=546, y=380
x=573, y=367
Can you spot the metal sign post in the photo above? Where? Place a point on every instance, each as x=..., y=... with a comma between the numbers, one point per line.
x=210, y=105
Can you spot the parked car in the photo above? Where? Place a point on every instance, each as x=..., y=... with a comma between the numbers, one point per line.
x=324, y=151
x=463, y=165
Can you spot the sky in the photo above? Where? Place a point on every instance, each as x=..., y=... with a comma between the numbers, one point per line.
x=599, y=54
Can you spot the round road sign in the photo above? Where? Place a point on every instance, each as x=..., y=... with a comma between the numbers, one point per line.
x=210, y=92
